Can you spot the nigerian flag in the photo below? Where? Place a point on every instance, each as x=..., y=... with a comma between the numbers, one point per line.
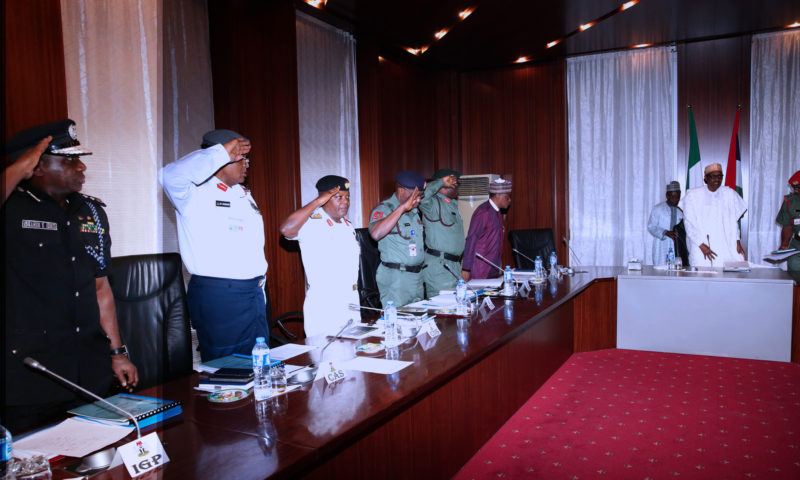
x=694, y=170
x=733, y=176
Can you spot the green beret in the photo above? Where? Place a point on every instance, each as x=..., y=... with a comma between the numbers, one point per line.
x=445, y=172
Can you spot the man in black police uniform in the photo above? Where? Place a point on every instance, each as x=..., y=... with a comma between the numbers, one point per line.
x=59, y=308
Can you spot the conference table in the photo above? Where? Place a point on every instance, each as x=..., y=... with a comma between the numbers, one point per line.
x=428, y=418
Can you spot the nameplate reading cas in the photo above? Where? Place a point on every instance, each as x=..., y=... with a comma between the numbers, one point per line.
x=334, y=374
x=143, y=455
x=432, y=329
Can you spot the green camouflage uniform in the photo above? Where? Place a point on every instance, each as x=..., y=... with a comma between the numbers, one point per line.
x=444, y=231
x=789, y=216
x=401, y=286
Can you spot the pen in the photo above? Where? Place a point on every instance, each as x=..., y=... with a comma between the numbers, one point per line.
x=239, y=355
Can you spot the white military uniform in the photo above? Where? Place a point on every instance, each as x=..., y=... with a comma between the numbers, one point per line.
x=711, y=218
x=220, y=229
x=330, y=254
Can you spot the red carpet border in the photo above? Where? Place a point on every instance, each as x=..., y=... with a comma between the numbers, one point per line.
x=625, y=414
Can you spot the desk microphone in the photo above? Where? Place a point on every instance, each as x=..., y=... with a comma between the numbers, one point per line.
x=349, y=322
x=566, y=242
x=38, y=366
x=487, y=261
x=524, y=256
x=447, y=267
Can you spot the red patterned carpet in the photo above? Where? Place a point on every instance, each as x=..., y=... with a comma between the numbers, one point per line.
x=626, y=414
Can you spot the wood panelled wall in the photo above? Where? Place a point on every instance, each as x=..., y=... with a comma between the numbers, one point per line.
x=513, y=123
x=254, y=72
x=33, y=64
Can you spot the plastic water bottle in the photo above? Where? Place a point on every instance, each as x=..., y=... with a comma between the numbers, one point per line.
x=670, y=259
x=461, y=297
x=261, y=381
x=553, y=263
x=538, y=268
x=5, y=451
x=508, y=282
x=390, y=324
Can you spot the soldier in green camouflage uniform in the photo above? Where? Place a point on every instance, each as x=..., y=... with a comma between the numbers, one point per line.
x=789, y=219
x=396, y=225
x=444, y=232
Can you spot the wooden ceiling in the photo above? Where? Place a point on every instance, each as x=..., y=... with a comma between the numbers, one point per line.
x=500, y=31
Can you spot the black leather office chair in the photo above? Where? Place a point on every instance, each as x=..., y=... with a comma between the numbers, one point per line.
x=367, y=269
x=152, y=315
x=278, y=333
x=532, y=242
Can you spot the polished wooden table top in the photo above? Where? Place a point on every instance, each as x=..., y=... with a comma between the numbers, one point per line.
x=283, y=436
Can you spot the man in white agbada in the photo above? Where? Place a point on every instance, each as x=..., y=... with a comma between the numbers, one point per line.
x=711, y=213
x=662, y=223
x=330, y=254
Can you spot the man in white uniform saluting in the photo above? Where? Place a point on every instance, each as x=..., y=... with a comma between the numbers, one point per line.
x=221, y=237
x=711, y=215
x=330, y=254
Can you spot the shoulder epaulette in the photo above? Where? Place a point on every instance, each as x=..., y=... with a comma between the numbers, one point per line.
x=94, y=199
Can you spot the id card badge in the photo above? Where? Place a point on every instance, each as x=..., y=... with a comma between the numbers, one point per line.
x=796, y=221
x=412, y=246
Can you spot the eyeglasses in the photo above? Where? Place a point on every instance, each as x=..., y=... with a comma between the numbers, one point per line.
x=246, y=160
x=714, y=175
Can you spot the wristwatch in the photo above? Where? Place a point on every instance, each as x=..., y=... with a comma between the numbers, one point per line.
x=123, y=350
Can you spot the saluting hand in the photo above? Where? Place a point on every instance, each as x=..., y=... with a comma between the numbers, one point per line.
x=237, y=148
x=323, y=197
x=412, y=201
x=450, y=181
x=30, y=158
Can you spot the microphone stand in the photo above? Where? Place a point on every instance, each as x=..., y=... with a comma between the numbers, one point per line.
x=447, y=267
x=577, y=258
x=38, y=366
x=490, y=263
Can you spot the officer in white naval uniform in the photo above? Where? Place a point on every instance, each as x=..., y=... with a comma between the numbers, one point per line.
x=221, y=238
x=330, y=254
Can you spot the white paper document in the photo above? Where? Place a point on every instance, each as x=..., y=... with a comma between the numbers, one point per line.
x=479, y=283
x=374, y=365
x=73, y=437
x=285, y=352
x=779, y=255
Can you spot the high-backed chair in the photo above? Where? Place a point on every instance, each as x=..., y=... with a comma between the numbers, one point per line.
x=368, y=267
x=152, y=315
x=532, y=242
x=279, y=334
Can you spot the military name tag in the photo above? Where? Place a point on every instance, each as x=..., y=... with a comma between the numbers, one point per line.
x=39, y=225
x=222, y=203
x=797, y=221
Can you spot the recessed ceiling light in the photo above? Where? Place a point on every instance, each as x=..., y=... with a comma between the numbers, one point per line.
x=465, y=13
x=552, y=44
x=628, y=5
x=642, y=45
x=317, y=3
x=521, y=60
x=586, y=26
x=441, y=33
x=794, y=25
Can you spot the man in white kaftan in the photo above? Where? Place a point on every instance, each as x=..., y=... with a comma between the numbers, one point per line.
x=711, y=215
x=661, y=224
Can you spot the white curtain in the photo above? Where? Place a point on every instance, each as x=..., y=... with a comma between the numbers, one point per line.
x=328, y=110
x=774, y=133
x=622, y=135
x=120, y=77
